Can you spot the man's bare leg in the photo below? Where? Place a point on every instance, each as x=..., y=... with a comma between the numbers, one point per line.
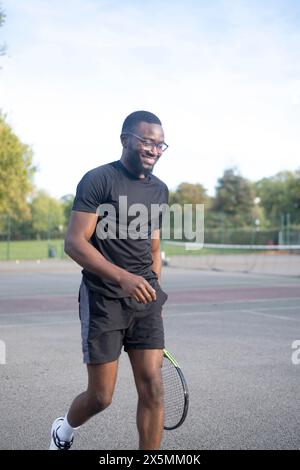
x=98, y=396
x=146, y=366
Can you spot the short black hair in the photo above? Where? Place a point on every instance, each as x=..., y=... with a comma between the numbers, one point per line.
x=136, y=117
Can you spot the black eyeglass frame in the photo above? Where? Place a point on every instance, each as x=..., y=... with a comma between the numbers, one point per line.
x=148, y=142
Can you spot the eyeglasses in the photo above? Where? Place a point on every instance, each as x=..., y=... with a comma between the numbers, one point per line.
x=162, y=147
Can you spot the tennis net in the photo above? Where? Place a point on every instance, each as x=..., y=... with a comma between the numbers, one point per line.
x=267, y=259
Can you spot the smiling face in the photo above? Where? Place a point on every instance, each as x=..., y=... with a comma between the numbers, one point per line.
x=139, y=155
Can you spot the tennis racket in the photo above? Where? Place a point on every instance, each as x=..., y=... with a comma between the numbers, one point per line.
x=176, y=394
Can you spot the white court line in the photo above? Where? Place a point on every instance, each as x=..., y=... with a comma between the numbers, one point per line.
x=209, y=312
x=168, y=305
x=166, y=317
x=235, y=311
x=233, y=301
x=40, y=323
x=279, y=317
x=292, y=307
x=33, y=296
x=48, y=312
x=229, y=312
x=177, y=314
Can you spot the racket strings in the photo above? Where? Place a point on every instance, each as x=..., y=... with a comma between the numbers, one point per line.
x=174, y=401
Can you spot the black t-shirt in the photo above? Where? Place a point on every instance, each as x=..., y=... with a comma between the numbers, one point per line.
x=114, y=185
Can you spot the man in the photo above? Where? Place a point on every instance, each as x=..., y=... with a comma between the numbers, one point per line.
x=120, y=299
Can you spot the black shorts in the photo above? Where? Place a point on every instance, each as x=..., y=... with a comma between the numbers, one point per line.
x=108, y=324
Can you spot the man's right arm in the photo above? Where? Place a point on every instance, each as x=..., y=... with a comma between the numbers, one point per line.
x=77, y=245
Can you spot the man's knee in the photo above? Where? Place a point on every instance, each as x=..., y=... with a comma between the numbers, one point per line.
x=99, y=401
x=150, y=390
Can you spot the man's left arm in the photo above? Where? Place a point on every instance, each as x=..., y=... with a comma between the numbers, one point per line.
x=156, y=254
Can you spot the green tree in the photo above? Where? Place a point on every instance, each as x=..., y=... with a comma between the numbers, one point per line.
x=67, y=204
x=235, y=198
x=188, y=193
x=280, y=194
x=47, y=214
x=16, y=173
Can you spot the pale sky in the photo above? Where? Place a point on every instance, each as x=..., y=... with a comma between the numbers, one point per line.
x=223, y=77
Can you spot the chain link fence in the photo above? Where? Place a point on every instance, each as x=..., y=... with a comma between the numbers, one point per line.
x=20, y=242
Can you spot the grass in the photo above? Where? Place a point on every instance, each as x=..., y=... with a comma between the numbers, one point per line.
x=30, y=249
x=38, y=249
x=175, y=250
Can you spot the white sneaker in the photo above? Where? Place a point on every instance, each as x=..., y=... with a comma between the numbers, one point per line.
x=56, y=443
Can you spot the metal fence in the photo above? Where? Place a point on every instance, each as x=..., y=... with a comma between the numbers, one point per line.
x=19, y=241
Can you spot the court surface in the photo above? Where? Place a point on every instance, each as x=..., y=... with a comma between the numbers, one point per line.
x=231, y=333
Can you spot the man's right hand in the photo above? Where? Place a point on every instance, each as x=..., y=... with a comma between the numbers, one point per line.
x=137, y=287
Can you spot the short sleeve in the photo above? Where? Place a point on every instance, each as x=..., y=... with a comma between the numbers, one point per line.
x=166, y=195
x=90, y=192
x=164, y=200
x=161, y=207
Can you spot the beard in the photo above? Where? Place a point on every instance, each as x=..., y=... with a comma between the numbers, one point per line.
x=137, y=165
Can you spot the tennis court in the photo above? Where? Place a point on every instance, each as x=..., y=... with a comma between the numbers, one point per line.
x=232, y=333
